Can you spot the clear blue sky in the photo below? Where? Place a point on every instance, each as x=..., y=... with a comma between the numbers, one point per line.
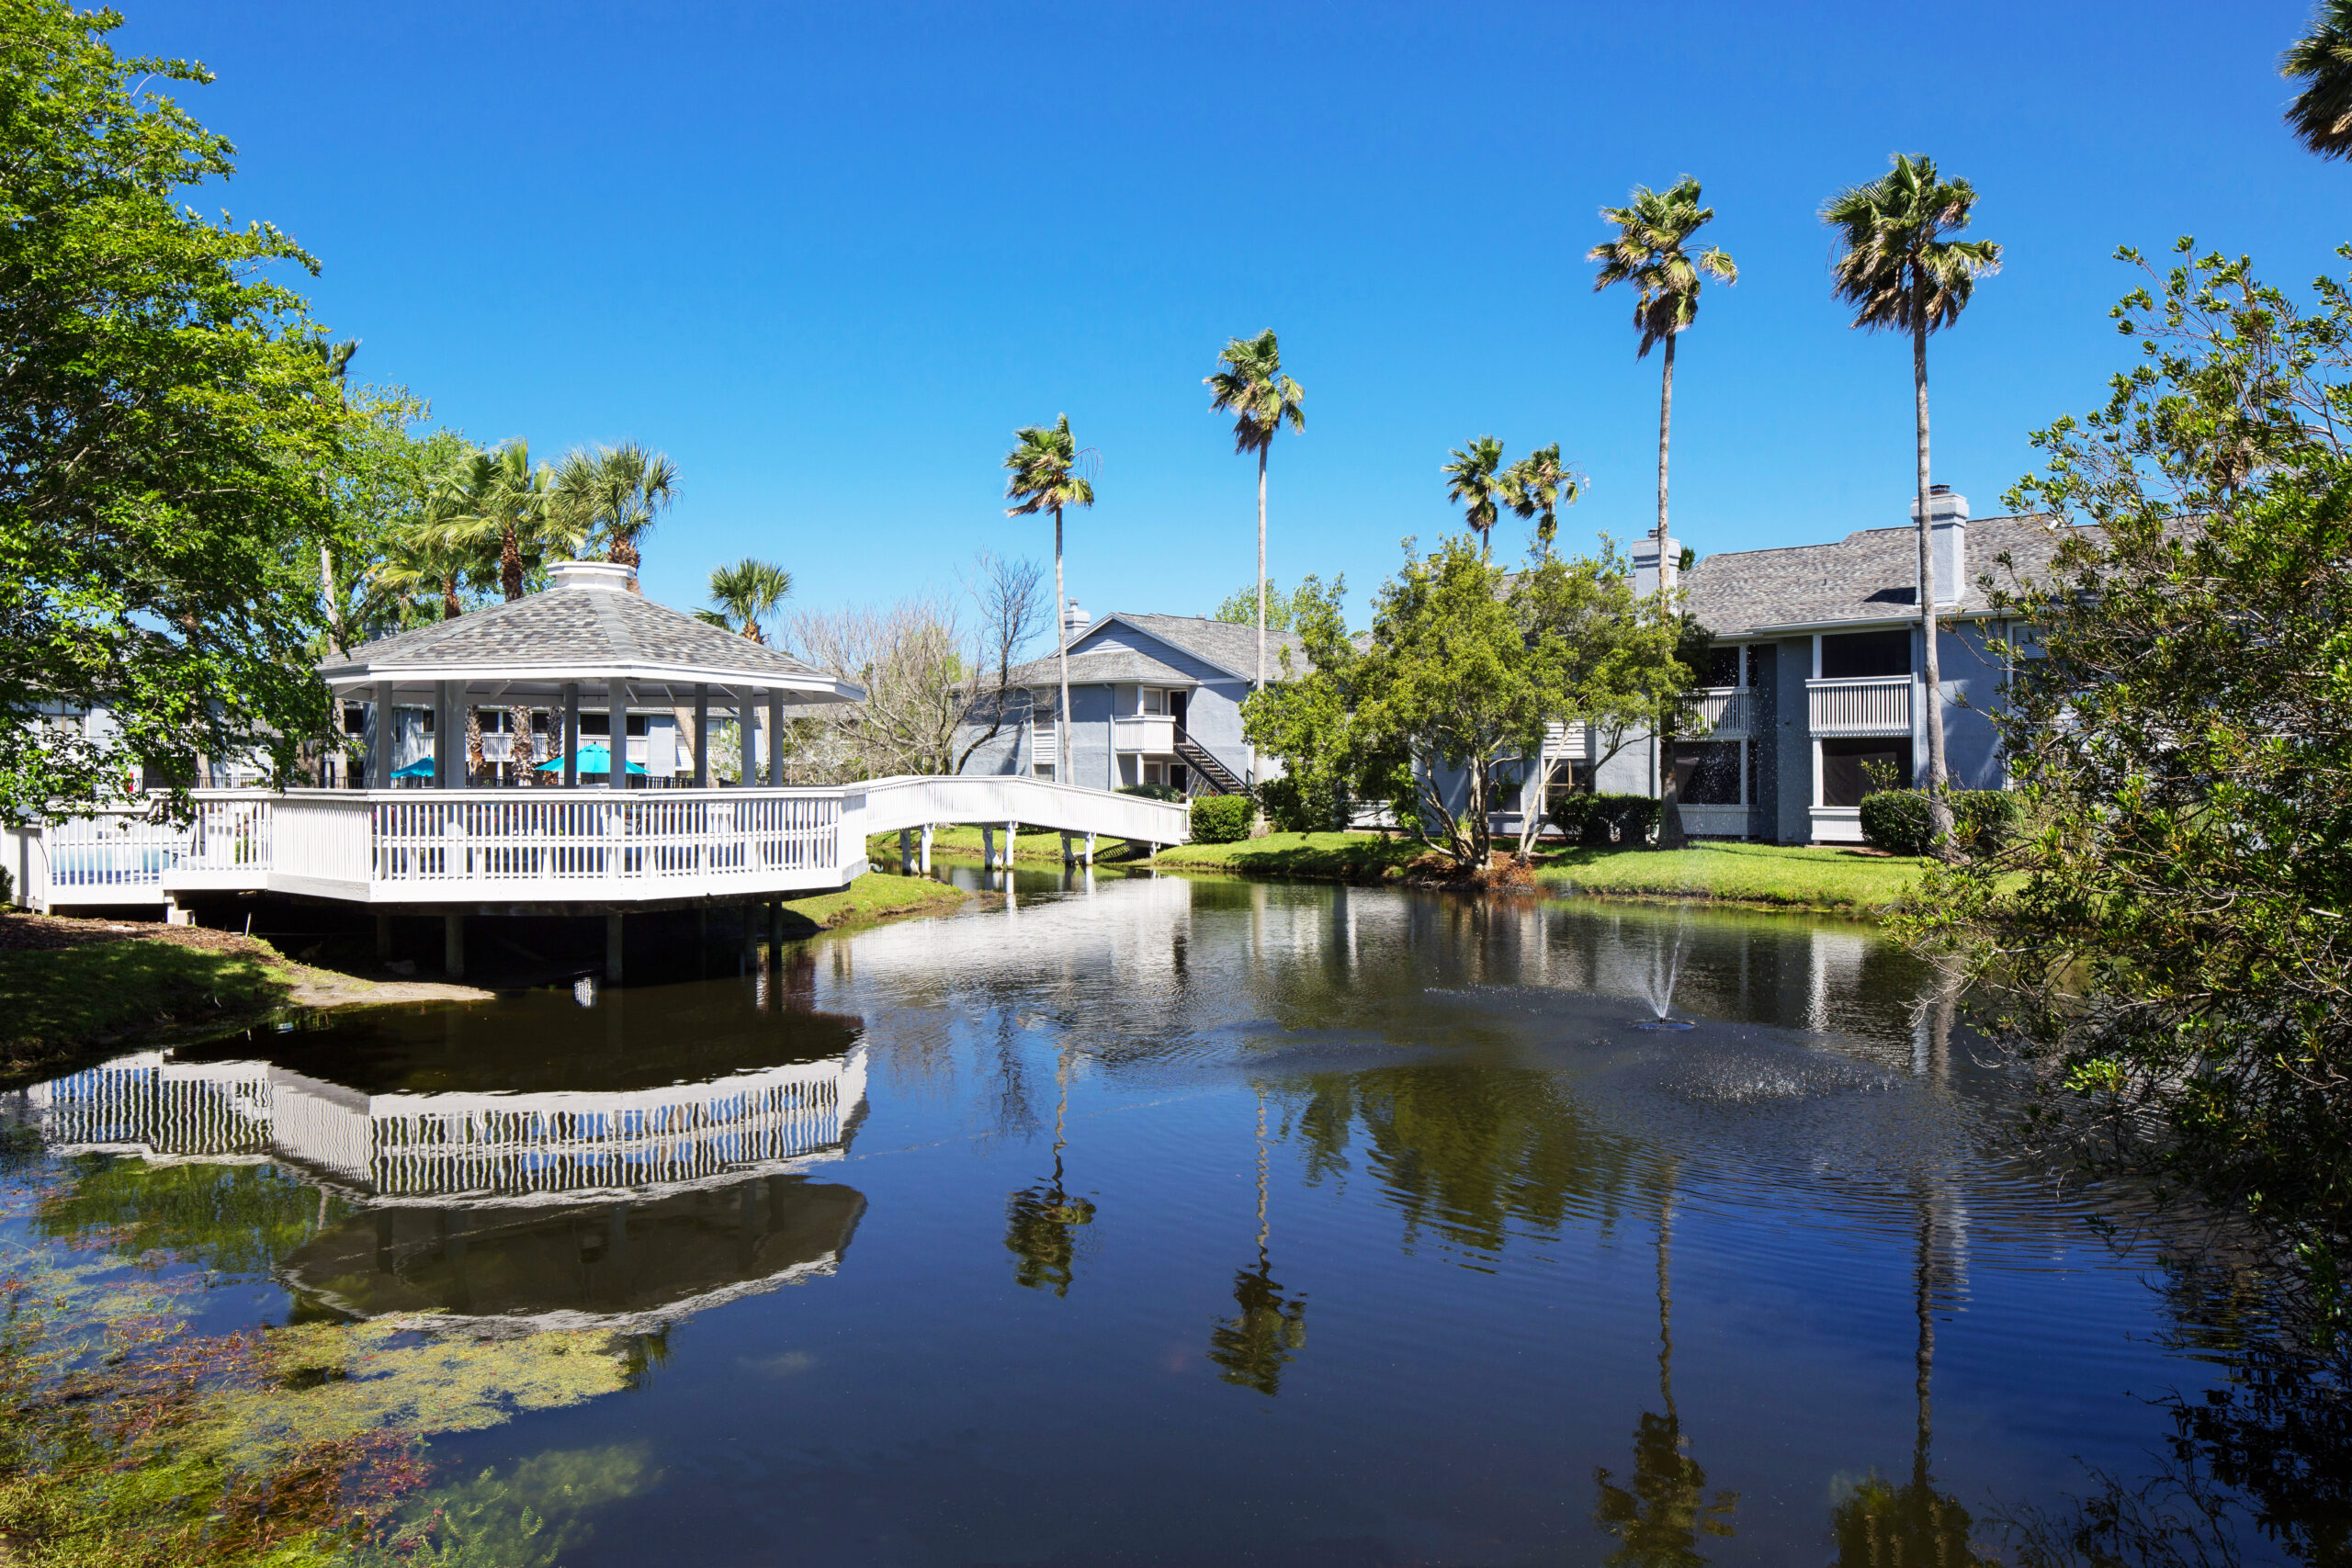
x=829, y=257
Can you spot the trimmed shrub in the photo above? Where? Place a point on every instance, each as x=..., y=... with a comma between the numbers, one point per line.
x=1221, y=818
x=1982, y=820
x=1605, y=818
x=1153, y=791
x=1286, y=812
x=1895, y=820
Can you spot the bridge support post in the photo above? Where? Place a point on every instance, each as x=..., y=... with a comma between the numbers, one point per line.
x=906, y=851
x=1009, y=827
x=453, y=947
x=988, y=849
x=926, y=849
x=612, y=949
x=751, y=931
x=1090, y=850
x=1070, y=857
x=383, y=936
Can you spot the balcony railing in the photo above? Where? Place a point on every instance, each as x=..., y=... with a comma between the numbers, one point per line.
x=1144, y=732
x=1727, y=710
x=1875, y=705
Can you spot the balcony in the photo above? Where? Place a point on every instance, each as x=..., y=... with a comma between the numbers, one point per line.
x=1877, y=706
x=1728, y=711
x=1151, y=732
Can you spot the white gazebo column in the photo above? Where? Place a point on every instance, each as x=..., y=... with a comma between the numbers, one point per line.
x=702, y=737
x=446, y=742
x=747, y=750
x=571, y=734
x=775, y=739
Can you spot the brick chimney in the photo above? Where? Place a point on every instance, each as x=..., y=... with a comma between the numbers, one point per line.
x=1948, y=545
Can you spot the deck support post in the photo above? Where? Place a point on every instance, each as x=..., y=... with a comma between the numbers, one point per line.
x=751, y=931
x=383, y=935
x=906, y=851
x=613, y=948
x=988, y=849
x=453, y=947
x=1009, y=828
x=1090, y=849
x=1070, y=857
x=776, y=925
x=926, y=849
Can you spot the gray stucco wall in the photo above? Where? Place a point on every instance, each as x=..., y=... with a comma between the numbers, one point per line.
x=1792, y=743
x=1972, y=682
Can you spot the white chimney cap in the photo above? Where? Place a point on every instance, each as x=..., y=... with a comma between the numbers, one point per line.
x=590, y=574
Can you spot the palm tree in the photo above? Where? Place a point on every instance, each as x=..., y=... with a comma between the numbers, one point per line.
x=1042, y=1220
x=1250, y=1349
x=615, y=493
x=1471, y=479
x=1537, y=486
x=507, y=507
x=1253, y=387
x=421, y=559
x=1652, y=252
x=2322, y=113
x=1044, y=463
x=745, y=594
x=1898, y=268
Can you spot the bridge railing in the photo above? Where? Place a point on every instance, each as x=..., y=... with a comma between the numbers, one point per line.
x=911, y=801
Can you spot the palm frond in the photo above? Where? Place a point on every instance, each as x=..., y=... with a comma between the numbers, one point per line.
x=2321, y=114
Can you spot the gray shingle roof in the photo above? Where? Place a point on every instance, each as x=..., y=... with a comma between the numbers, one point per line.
x=1873, y=575
x=572, y=628
x=1230, y=646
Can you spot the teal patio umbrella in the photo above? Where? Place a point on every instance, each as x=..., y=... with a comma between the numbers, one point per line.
x=594, y=759
x=420, y=769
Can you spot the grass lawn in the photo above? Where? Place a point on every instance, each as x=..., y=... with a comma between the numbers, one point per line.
x=1767, y=875
x=872, y=897
x=1324, y=856
x=1789, y=876
x=1029, y=844
x=58, y=1000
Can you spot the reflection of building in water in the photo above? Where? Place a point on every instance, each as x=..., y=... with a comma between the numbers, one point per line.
x=396, y=1147
x=625, y=1208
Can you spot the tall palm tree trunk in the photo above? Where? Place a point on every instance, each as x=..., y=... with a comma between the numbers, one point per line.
x=1262, y=600
x=1669, y=789
x=1939, y=808
x=509, y=565
x=1061, y=641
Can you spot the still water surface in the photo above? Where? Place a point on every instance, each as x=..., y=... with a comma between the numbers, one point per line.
x=1166, y=1221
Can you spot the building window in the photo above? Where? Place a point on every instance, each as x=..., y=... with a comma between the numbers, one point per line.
x=1155, y=700
x=1707, y=772
x=1567, y=777
x=1847, y=766
x=1859, y=656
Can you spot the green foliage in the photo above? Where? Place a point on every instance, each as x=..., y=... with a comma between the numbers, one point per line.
x=2170, y=931
x=1308, y=719
x=2321, y=114
x=1153, y=791
x=1284, y=612
x=381, y=491
x=166, y=408
x=1286, y=809
x=231, y=1219
x=1599, y=819
x=534, y=1515
x=1221, y=818
x=1896, y=820
x=1651, y=251
x=1777, y=875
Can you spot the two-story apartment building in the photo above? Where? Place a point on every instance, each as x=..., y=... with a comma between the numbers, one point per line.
x=1153, y=699
x=1818, y=677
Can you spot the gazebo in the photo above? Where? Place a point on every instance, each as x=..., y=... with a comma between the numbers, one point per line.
x=589, y=643
x=550, y=841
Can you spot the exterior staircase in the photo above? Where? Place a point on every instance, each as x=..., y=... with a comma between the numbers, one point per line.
x=1204, y=767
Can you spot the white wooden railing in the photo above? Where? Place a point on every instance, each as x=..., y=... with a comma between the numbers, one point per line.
x=1728, y=710
x=1144, y=732
x=1876, y=705
x=535, y=846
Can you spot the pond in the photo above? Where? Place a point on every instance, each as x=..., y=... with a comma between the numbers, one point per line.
x=1148, y=1220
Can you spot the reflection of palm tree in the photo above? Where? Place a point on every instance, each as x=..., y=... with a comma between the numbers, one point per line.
x=1881, y=1523
x=1252, y=1347
x=1660, y=1516
x=1041, y=1223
